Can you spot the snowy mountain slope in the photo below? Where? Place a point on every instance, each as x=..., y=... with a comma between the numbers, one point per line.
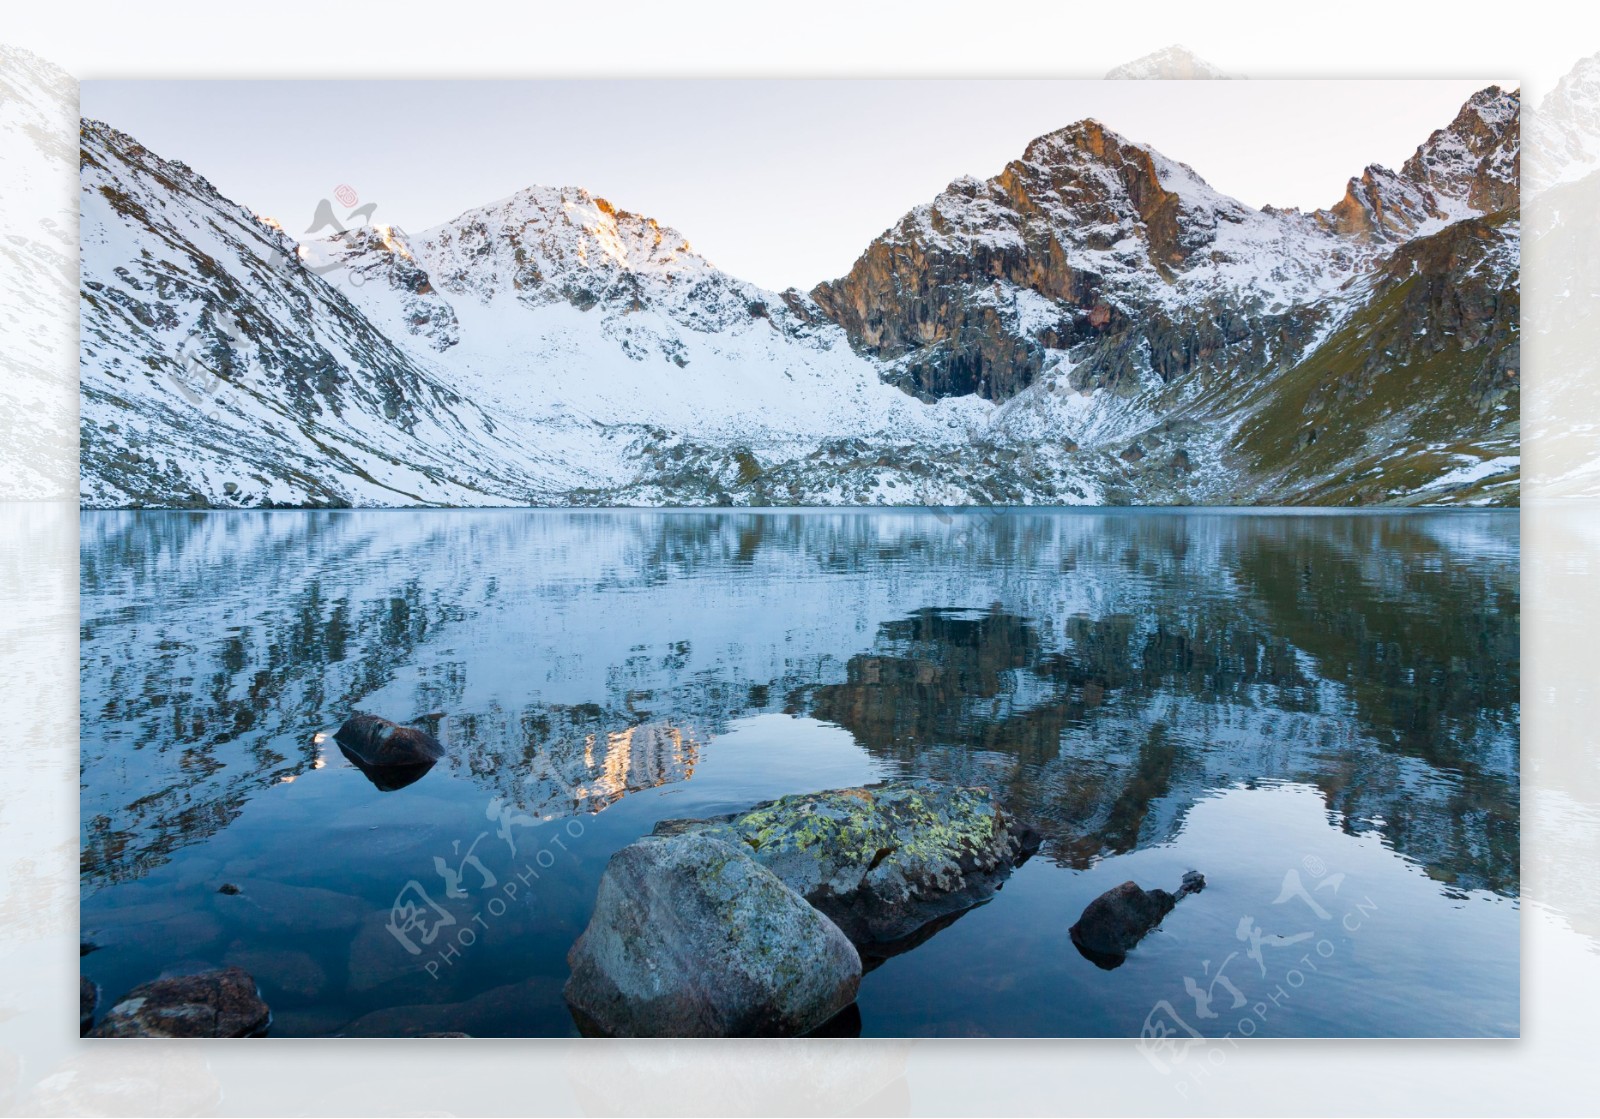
x=218, y=370
x=1563, y=250
x=562, y=305
x=1095, y=324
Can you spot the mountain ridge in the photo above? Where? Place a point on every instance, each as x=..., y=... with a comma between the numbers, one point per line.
x=1075, y=329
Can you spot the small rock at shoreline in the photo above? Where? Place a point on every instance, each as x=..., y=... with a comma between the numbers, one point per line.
x=379, y=743
x=222, y=1003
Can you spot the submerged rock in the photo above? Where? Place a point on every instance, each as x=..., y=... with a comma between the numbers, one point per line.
x=882, y=861
x=223, y=1003
x=1119, y=918
x=693, y=938
x=391, y=756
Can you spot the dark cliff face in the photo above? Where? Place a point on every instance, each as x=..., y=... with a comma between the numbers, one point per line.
x=938, y=294
x=1104, y=252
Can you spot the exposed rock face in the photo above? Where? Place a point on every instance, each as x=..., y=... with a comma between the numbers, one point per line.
x=221, y=1003
x=1101, y=251
x=882, y=860
x=1564, y=140
x=1119, y=918
x=1472, y=166
x=692, y=938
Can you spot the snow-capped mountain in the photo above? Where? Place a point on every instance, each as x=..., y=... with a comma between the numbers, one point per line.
x=1093, y=324
x=1176, y=62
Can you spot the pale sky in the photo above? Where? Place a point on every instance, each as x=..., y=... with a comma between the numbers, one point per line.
x=777, y=182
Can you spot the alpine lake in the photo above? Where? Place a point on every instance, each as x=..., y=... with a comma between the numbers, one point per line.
x=1318, y=710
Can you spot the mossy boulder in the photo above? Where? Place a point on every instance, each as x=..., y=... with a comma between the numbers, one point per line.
x=693, y=938
x=882, y=861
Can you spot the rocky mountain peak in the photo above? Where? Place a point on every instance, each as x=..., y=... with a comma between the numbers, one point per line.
x=1471, y=166
x=563, y=244
x=1474, y=159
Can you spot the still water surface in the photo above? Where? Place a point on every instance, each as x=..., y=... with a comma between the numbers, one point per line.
x=1319, y=712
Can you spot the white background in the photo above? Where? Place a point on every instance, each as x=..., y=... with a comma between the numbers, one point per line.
x=43, y=1067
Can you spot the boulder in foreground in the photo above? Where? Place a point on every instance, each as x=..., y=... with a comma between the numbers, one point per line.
x=692, y=938
x=882, y=861
x=222, y=1003
x=1119, y=918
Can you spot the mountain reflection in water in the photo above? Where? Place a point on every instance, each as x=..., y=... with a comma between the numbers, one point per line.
x=1104, y=672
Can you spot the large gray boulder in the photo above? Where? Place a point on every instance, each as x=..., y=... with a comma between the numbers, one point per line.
x=222, y=1003
x=692, y=938
x=882, y=861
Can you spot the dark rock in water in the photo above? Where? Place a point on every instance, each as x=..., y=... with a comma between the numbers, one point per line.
x=1119, y=918
x=693, y=938
x=88, y=997
x=222, y=1003
x=228, y=888
x=881, y=860
x=380, y=743
x=448, y=1033
x=390, y=755
x=87, y=946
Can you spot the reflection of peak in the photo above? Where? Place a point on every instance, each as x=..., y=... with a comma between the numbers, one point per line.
x=626, y=761
x=1176, y=61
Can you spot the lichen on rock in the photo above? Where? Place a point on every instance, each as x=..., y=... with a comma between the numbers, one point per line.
x=882, y=860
